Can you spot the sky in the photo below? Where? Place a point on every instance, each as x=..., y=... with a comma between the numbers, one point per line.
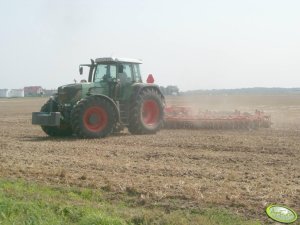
x=194, y=44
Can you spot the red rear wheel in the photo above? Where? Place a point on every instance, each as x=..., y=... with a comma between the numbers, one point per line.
x=147, y=112
x=95, y=119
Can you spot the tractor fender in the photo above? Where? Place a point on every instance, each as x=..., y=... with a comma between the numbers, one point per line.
x=138, y=88
x=116, y=108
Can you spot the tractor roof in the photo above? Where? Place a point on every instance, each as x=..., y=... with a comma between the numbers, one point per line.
x=115, y=59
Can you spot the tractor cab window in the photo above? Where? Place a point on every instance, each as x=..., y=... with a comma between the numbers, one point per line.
x=136, y=73
x=124, y=73
x=104, y=71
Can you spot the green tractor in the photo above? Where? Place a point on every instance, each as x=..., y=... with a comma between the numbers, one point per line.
x=113, y=98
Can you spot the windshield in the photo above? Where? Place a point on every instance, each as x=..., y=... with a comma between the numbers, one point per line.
x=104, y=71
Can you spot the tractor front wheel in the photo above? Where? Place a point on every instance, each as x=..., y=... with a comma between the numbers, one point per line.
x=146, y=115
x=93, y=117
x=63, y=130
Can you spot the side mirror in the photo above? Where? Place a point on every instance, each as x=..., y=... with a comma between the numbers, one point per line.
x=80, y=70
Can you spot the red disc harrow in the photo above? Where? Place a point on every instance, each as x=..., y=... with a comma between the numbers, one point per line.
x=177, y=117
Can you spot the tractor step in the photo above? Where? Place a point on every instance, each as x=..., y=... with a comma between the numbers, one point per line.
x=124, y=112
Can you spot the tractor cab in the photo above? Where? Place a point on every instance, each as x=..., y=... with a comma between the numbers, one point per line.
x=115, y=75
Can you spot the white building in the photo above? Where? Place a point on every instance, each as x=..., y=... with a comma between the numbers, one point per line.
x=4, y=93
x=11, y=93
x=16, y=93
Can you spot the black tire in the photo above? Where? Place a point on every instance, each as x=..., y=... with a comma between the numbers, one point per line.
x=147, y=113
x=63, y=130
x=93, y=117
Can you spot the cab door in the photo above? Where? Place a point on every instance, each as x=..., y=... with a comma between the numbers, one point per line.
x=125, y=79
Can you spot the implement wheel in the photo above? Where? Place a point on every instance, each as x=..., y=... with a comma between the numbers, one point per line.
x=146, y=115
x=93, y=117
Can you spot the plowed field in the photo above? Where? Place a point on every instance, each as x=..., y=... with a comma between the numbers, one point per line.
x=240, y=170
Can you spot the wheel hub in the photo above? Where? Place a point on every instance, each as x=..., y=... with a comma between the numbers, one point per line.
x=150, y=113
x=94, y=119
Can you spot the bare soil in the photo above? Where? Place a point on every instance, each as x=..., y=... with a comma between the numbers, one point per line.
x=241, y=170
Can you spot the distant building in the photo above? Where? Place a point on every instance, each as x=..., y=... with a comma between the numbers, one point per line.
x=33, y=91
x=4, y=93
x=14, y=93
x=11, y=93
x=49, y=92
x=170, y=90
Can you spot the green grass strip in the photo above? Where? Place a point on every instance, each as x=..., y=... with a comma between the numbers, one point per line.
x=23, y=203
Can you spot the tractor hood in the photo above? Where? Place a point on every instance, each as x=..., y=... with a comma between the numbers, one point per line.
x=69, y=88
x=69, y=93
